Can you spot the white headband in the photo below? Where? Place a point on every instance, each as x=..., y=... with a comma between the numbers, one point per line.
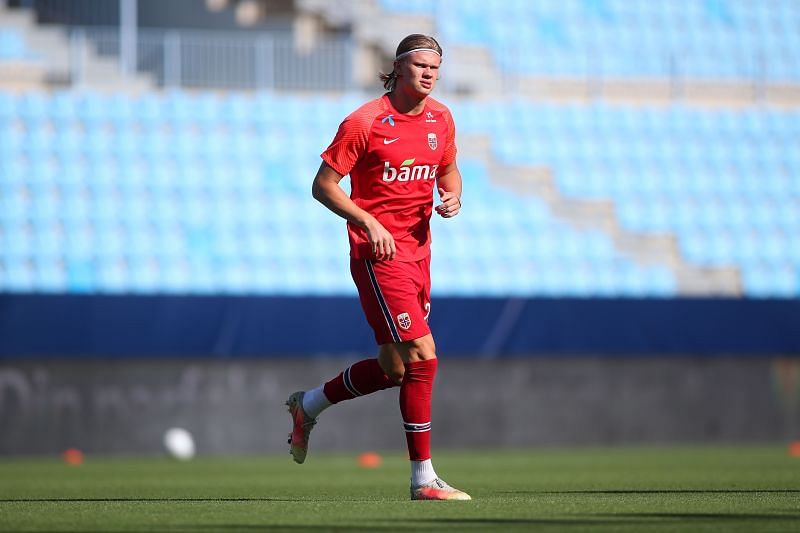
x=404, y=54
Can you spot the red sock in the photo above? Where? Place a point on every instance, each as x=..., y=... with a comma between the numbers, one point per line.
x=415, y=406
x=364, y=377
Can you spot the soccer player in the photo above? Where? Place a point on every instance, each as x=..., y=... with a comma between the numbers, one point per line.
x=395, y=148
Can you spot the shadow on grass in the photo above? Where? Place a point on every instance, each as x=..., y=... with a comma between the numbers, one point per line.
x=417, y=524
x=608, y=518
x=149, y=500
x=499, y=524
x=780, y=515
x=658, y=491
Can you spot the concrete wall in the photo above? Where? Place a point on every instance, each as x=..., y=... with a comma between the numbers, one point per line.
x=231, y=407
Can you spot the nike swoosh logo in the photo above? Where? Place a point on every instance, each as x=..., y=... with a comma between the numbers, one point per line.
x=390, y=141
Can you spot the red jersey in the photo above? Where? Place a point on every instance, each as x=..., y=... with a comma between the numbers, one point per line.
x=393, y=160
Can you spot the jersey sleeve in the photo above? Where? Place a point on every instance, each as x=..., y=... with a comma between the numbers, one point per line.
x=349, y=144
x=450, y=149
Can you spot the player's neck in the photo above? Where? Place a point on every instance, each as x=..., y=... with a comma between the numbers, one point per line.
x=407, y=104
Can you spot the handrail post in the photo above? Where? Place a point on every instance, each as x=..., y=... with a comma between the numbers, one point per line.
x=173, y=76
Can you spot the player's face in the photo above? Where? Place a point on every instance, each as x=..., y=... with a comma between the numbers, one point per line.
x=418, y=72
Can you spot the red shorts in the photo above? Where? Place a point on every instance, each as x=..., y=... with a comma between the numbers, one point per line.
x=395, y=296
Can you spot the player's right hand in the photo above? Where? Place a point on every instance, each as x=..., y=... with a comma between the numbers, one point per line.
x=382, y=242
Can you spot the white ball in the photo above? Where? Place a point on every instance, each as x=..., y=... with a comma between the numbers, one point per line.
x=179, y=443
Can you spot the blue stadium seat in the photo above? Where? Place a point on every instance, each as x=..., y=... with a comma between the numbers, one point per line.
x=20, y=275
x=182, y=184
x=147, y=110
x=772, y=281
x=50, y=275
x=81, y=276
x=63, y=109
x=33, y=107
x=12, y=45
x=625, y=39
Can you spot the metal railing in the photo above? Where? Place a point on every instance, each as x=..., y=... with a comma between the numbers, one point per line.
x=223, y=60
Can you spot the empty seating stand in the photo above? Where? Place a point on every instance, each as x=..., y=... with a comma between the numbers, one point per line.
x=208, y=193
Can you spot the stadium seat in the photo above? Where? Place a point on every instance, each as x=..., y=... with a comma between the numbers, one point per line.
x=178, y=185
x=717, y=40
x=12, y=45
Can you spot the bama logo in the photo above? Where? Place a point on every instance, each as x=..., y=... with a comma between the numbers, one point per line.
x=408, y=171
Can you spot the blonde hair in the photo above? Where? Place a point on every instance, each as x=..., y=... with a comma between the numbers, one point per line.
x=415, y=41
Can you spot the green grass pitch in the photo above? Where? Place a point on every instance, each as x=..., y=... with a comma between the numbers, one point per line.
x=753, y=488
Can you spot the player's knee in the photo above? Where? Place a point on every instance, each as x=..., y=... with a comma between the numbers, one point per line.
x=396, y=375
x=422, y=349
x=393, y=370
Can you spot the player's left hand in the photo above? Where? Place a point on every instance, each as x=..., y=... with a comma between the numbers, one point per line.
x=451, y=204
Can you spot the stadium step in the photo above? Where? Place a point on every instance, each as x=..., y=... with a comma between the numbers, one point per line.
x=56, y=54
x=377, y=31
x=643, y=248
x=22, y=73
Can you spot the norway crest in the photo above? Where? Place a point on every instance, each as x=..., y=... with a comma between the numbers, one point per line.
x=404, y=320
x=432, y=142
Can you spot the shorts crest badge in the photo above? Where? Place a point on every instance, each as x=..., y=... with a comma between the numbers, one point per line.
x=404, y=320
x=432, y=141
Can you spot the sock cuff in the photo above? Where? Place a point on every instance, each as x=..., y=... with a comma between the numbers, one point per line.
x=348, y=382
x=358, y=379
x=421, y=369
